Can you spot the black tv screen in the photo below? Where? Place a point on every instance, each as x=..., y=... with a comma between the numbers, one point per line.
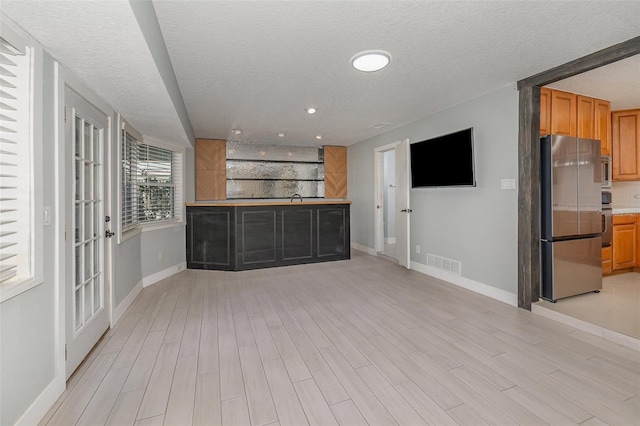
x=443, y=161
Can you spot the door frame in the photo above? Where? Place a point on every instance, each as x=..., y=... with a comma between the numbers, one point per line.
x=529, y=160
x=63, y=79
x=378, y=194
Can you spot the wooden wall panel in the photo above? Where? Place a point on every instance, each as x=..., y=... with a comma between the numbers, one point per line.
x=335, y=172
x=545, y=111
x=335, y=185
x=211, y=169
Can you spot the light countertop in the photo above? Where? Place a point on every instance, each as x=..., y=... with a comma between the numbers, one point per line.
x=244, y=203
x=625, y=210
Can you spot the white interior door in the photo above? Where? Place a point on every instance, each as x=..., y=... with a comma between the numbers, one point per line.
x=403, y=207
x=87, y=307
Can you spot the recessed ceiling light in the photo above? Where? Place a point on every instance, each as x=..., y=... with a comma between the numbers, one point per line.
x=318, y=137
x=370, y=60
x=236, y=131
x=311, y=110
x=282, y=134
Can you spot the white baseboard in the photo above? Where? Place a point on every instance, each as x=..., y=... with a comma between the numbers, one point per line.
x=596, y=330
x=364, y=249
x=390, y=240
x=124, y=305
x=161, y=275
x=39, y=408
x=475, y=286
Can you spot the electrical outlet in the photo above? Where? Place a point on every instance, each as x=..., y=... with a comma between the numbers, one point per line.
x=160, y=255
x=508, y=184
x=418, y=249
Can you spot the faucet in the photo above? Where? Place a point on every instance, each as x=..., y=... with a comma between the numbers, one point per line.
x=296, y=195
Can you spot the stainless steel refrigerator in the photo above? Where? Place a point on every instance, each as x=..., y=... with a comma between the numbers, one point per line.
x=571, y=222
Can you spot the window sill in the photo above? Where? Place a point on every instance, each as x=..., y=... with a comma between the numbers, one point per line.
x=162, y=225
x=10, y=290
x=129, y=233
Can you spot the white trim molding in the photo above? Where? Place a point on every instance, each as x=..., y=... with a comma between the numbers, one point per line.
x=475, y=286
x=596, y=330
x=43, y=403
x=363, y=249
x=166, y=273
x=124, y=305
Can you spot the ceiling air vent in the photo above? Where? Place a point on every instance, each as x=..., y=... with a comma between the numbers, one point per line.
x=444, y=264
x=381, y=126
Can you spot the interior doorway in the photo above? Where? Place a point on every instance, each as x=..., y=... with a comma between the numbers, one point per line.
x=391, y=210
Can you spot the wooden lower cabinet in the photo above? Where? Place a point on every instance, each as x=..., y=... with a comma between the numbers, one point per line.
x=624, y=250
x=607, y=268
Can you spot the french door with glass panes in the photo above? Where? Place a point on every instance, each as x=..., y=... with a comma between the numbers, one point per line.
x=87, y=303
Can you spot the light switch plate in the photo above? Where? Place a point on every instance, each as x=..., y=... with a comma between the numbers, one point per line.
x=508, y=184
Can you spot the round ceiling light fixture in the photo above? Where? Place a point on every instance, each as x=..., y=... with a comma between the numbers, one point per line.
x=311, y=110
x=370, y=60
x=236, y=131
x=282, y=134
x=318, y=137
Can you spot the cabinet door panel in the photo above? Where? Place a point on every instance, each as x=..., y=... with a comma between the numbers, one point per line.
x=602, y=125
x=585, y=117
x=297, y=234
x=563, y=113
x=210, y=240
x=257, y=237
x=626, y=144
x=624, y=246
x=332, y=232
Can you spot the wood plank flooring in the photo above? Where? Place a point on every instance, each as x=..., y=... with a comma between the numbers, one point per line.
x=354, y=342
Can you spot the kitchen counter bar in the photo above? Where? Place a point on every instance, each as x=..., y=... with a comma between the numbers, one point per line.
x=251, y=235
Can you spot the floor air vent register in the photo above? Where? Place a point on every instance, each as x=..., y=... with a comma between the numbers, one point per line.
x=444, y=264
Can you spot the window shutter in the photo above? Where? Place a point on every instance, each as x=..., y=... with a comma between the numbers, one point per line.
x=15, y=160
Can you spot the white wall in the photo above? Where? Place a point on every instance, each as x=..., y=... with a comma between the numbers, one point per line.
x=30, y=379
x=477, y=226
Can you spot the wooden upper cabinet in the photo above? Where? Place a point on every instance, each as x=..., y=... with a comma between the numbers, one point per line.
x=585, y=117
x=545, y=111
x=563, y=113
x=602, y=124
x=211, y=169
x=335, y=171
x=626, y=144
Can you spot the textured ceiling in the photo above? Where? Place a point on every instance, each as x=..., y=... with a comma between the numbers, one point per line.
x=101, y=43
x=618, y=82
x=257, y=65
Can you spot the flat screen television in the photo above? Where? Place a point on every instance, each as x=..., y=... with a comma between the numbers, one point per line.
x=443, y=161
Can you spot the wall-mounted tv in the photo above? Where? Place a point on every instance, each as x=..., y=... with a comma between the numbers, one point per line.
x=443, y=161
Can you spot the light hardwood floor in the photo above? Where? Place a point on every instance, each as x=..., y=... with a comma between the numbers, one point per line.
x=352, y=343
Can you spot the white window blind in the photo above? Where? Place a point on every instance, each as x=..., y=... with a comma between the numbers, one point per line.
x=156, y=187
x=129, y=163
x=151, y=183
x=16, y=182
